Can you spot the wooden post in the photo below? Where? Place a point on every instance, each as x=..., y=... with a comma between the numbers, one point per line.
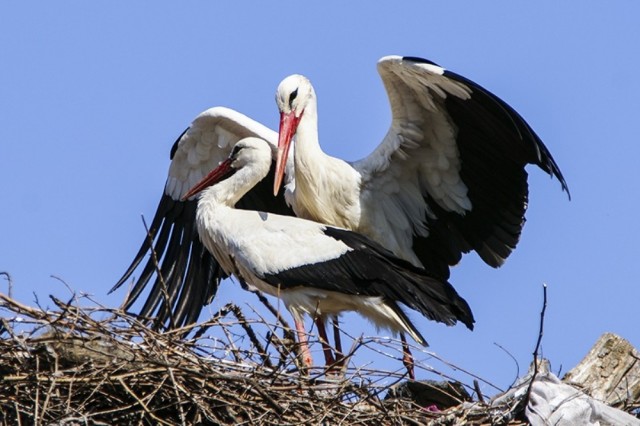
x=610, y=372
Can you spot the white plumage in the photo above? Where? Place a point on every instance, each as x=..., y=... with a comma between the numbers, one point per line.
x=448, y=178
x=414, y=180
x=315, y=269
x=206, y=143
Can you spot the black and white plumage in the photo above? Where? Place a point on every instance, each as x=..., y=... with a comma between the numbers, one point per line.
x=315, y=269
x=189, y=272
x=448, y=178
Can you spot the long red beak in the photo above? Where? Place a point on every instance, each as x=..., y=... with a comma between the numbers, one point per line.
x=288, y=127
x=215, y=176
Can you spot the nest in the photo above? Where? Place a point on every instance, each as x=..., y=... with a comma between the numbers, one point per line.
x=98, y=366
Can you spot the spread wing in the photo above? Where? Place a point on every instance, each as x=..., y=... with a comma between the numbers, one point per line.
x=183, y=275
x=450, y=173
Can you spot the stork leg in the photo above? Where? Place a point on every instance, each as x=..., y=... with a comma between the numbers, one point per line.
x=407, y=358
x=340, y=359
x=303, y=341
x=324, y=340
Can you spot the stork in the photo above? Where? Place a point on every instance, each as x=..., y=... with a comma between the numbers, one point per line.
x=188, y=275
x=448, y=178
x=315, y=269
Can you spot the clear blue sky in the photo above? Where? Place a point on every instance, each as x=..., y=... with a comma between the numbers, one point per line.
x=93, y=94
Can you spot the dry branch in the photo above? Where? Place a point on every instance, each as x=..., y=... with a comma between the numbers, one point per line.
x=98, y=366
x=102, y=366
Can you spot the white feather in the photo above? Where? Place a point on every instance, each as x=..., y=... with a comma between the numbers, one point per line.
x=253, y=244
x=209, y=140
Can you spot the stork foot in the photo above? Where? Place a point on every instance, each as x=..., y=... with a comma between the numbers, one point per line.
x=407, y=358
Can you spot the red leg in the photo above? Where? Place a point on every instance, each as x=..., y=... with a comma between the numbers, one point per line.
x=303, y=340
x=407, y=358
x=324, y=340
x=340, y=358
x=336, y=335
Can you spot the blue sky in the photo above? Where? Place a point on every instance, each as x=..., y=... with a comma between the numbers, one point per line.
x=93, y=95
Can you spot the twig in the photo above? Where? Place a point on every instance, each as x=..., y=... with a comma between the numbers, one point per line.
x=252, y=335
x=535, y=351
x=271, y=309
x=64, y=306
x=215, y=318
x=71, y=290
x=45, y=405
x=7, y=276
x=21, y=308
x=254, y=385
x=178, y=400
x=476, y=386
x=279, y=344
x=141, y=403
x=36, y=414
x=514, y=360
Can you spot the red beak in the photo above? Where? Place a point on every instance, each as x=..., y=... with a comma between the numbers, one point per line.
x=216, y=175
x=288, y=127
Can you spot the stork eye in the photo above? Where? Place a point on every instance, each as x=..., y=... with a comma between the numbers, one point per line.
x=234, y=152
x=292, y=97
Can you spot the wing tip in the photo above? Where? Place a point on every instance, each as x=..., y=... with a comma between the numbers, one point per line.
x=419, y=60
x=412, y=61
x=389, y=58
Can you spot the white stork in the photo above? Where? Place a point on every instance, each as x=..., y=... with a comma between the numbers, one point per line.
x=315, y=269
x=189, y=275
x=448, y=178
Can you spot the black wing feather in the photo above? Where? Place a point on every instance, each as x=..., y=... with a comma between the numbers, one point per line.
x=495, y=145
x=371, y=270
x=190, y=274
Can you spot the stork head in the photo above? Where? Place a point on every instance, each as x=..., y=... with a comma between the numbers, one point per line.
x=293, y=95
x=251, y=154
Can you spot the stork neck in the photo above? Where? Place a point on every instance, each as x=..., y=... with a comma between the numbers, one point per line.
x=308, y=155
x=326, y=188
x=228, y=192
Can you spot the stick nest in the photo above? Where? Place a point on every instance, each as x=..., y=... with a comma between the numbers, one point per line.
x=98, y=366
